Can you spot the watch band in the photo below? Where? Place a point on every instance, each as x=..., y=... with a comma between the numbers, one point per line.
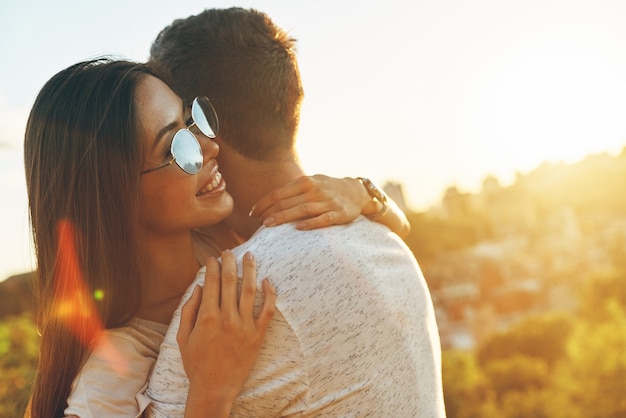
x=375, y=193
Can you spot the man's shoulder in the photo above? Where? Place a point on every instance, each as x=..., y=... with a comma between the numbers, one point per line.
x=287, y=239
x=288, y=231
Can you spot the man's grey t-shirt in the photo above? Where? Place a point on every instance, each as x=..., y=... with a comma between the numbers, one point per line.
x=354, y=333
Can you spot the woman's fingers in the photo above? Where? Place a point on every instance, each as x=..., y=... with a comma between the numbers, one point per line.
x=248, y=287
x=283, y=205
x=212, y=284
x=218, y=299
x=290, y=190
x=188, y=316
x=321, y=221
x=228, y=303
x=316, y=201
x=302, y=211
x=269, y=306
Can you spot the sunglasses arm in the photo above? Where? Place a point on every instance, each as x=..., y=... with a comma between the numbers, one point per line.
x=158, y=167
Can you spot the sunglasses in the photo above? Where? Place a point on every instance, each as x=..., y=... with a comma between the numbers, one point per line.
x=186, y=150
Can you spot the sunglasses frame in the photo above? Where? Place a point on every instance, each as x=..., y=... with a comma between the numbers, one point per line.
x=212, y=134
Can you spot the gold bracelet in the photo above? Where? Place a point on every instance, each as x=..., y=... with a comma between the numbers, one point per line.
x=376, y=193
x=380, y=213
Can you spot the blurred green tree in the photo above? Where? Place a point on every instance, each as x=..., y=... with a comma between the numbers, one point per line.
x=19, y=348
x=517, y=373
x=592, y=376
x=467, y=393
x=598, y=288
x=541, y=336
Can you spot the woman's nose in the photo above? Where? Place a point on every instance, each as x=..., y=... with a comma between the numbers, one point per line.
x=210, y=149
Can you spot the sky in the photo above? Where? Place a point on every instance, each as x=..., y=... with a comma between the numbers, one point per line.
x=430, y=94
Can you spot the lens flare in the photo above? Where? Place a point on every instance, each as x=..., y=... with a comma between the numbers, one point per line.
x=75, y=304
x=98, y=294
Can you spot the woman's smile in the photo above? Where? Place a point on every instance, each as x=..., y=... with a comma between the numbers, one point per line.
x=215, y=186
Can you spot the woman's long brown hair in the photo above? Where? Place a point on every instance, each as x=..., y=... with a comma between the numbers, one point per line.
x=82, y=173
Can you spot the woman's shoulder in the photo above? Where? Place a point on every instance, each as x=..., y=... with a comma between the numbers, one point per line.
x=115, y=373
x=139, y=338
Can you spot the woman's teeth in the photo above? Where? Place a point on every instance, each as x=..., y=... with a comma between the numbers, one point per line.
x=216, y=181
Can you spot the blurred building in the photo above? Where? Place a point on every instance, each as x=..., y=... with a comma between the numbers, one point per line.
x=394, y=191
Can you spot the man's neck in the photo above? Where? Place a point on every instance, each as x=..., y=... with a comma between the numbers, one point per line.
x=248, y=180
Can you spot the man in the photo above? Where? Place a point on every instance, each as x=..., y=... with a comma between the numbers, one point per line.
x=354, y=332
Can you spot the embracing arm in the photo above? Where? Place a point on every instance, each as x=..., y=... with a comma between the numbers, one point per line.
x=318, y=201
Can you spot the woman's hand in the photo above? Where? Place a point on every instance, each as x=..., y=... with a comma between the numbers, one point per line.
x=319, y=201
x=316, y=201
x=219, y=338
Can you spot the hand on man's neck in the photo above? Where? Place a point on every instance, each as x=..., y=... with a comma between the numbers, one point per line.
x=248, y=180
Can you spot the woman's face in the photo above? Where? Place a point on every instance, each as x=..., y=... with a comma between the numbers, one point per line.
x=173, y=201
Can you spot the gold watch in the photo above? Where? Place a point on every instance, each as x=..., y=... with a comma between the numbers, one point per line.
x=375, y=193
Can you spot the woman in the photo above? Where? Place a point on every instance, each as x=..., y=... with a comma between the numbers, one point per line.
x=114, y=245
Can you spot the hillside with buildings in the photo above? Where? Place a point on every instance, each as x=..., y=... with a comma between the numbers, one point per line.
x=505, y=253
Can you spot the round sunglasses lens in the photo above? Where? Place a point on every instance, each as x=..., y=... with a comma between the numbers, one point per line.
x=187, y=152
x=204, y=116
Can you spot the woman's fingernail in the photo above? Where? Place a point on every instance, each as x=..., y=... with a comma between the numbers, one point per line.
x=269, y=221
x=248, y=256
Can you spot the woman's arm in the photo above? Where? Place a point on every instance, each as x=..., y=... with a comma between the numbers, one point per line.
x=318, y=201
x=219, y=338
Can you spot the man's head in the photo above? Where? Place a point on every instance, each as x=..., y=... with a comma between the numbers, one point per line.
x=246, y=65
